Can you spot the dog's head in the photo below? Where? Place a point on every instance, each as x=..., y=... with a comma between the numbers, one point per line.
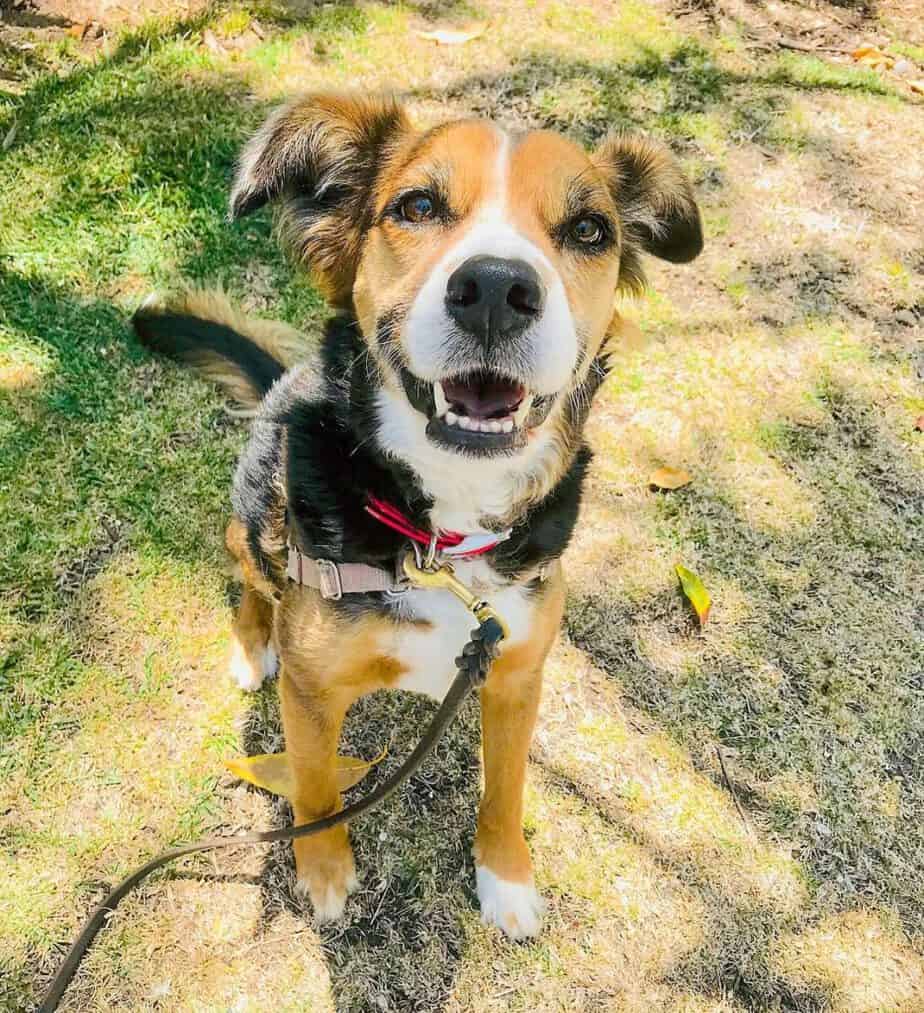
x=482, y=266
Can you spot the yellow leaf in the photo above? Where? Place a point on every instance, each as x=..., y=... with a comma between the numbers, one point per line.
x=696, y=593
x=351, y=769
x=451, y=37
x=917, y=87
x=272, y=772
x=669, y=478
x=870, y=56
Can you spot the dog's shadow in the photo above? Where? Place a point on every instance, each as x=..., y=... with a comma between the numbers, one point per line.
x=403, y=928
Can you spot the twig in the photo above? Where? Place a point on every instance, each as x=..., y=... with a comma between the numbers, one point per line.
x=802, y=47
x=731, y=790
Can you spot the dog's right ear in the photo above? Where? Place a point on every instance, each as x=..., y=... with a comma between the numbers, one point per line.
x=319, y=158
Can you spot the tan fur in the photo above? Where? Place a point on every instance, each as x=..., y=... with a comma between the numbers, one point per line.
x=327, y=663
x=509, y=704
x=341, y=141
x=650, y=188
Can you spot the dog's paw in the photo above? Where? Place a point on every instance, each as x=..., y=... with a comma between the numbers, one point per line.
x=516, y=908
x=328, y=888
x=270, y=661
x=249, y=670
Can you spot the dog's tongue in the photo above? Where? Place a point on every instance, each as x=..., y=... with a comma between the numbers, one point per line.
x=483, y=396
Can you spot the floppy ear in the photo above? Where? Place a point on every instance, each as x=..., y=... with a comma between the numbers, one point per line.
x=656, y=205
x=319, y=157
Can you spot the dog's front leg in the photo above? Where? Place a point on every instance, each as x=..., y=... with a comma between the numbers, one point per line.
x=503, y=867
x=509, y=704
x=312, y=716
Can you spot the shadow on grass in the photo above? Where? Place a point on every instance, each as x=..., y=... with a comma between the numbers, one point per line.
x=652, y=90
x=844, y=718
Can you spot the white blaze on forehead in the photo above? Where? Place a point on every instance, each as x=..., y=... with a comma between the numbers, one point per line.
x=548, y=349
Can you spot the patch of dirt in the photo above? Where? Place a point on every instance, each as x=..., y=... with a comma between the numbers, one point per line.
x=26, y=23
x=805, y=27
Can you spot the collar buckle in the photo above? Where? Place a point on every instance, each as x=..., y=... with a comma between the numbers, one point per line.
x=330, y=584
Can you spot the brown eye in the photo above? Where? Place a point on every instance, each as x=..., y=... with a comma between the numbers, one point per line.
x=417, y=207
x=587, y=231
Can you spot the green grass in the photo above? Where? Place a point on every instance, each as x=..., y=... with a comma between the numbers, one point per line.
x=776, y=371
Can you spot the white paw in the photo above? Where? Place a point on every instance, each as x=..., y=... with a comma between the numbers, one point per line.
x=270, y=661
x=516, y=908
x=329, y=899
x=243, y=671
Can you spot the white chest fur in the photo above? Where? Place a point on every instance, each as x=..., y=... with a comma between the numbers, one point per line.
x=428, y=653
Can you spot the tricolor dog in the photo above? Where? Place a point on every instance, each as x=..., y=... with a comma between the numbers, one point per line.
x=472, y=272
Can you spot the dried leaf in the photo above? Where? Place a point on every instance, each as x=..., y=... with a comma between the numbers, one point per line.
x=696, y=592
x=78, y=31
x=9, y=137
x=453, y=37
x=272, y=772
x=919, y=424
x=917, y=87
x=870, y=56
x=669, y=478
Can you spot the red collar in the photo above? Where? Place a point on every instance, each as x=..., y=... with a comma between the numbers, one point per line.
x=449, y=543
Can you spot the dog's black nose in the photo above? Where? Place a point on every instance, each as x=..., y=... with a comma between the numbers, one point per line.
x=494, y=298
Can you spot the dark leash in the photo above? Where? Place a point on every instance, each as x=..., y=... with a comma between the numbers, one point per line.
x=473, y=666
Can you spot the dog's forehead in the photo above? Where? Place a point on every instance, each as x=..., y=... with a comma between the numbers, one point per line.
x=476, y=159
x=547, y=170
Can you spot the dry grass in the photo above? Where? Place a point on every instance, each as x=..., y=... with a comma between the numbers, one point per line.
x=783, y=370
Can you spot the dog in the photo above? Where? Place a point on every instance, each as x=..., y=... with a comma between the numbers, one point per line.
x=472, y=274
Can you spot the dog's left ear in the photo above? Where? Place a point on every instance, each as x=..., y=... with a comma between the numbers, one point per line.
x=318, y=158
x=657, y=209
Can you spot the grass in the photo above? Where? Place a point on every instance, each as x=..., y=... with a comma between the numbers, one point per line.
x=781, y=370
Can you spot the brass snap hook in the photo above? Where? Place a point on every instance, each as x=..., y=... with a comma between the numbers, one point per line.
x=444, y=577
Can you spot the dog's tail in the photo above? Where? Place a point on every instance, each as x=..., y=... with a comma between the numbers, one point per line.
x=200, y=328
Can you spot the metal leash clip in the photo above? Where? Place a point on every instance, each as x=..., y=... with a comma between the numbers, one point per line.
x=433, y=575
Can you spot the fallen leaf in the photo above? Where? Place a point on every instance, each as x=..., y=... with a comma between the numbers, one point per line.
x=870, y=56
x=9, y=137
x=452, y=37
x=919, y=424
x=696, y=592
x=669, y=478
x=272, y=772
x=78, y=31
x=917, y=87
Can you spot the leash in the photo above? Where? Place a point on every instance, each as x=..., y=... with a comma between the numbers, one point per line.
x=473, y=666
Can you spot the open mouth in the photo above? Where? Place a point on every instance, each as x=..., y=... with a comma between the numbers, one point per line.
x=481, y=411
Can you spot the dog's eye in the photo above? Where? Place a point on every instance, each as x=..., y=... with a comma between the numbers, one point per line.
x=417, y=207
x=586, y=231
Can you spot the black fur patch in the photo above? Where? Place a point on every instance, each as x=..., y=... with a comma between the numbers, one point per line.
x=318, y=436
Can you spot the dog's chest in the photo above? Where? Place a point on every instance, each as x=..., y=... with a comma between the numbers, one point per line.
x=427, y=648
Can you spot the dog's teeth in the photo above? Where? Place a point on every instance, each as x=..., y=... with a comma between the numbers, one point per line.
x=451, y=418
x=519, y=416
x=465, y=422
x=495, y=426
x=507, y=426
x=439, y=399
